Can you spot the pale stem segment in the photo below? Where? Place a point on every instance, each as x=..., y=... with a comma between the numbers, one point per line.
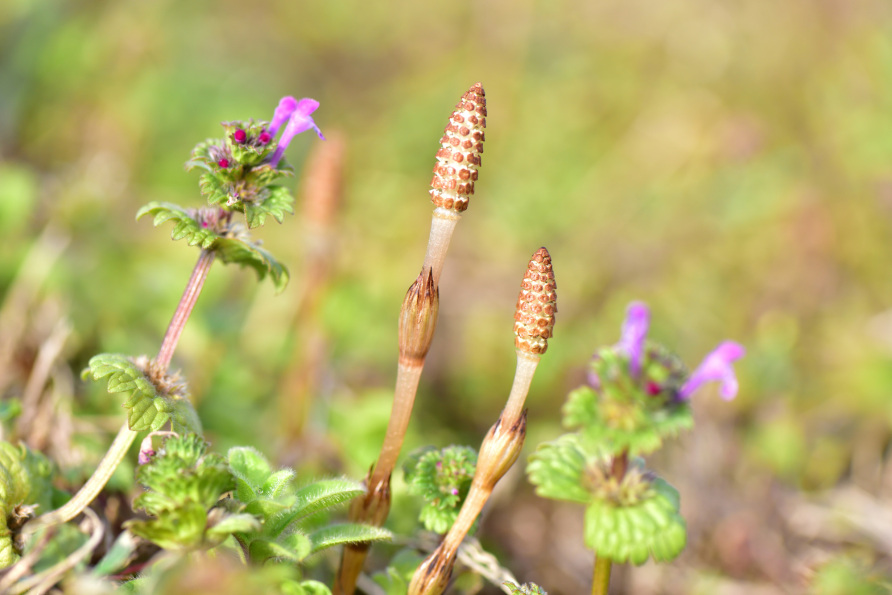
x=94, y=485
x=184, y=309
x=523, y=378
x=407, y=379
x=443, y=222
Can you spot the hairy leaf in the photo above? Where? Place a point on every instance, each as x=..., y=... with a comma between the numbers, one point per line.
x=333, y=535
x=147, y=407
x=185, y=224
x=277, y=202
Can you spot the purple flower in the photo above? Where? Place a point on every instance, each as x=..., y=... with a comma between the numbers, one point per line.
x=633, y=335
x=298, y=115
x=145, y=455
x=286, y=107
x=716, y=367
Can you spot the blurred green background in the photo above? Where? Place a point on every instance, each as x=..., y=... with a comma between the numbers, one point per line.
x=728, y=163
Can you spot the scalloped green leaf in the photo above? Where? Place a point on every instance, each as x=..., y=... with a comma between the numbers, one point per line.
x=185, y=225
x=557, y=469
x=25, y=479
x=179, y=529
x=651, y=528
x=442, y=477
x=214, y=189
x=251, y=254
x=621, y=423
x=333, y=535
x=147, y=408
x=201, y=155
x=277, y=202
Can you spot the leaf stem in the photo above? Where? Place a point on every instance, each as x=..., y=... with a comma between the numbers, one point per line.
x=94, y=485
x=601, y=575
x=184, y=309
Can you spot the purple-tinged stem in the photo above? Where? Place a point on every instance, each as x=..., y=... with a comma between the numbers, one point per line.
x=184, y=309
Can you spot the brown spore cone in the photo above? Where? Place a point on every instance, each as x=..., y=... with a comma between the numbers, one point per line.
x=459, y=156
x=536, y=305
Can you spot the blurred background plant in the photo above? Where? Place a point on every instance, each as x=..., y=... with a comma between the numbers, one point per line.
x=727, y=163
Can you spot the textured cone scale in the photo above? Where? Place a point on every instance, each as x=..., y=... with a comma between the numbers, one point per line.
x=536, y=305
x=459, y=156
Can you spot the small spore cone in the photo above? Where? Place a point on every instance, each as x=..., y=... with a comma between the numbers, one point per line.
x=536, y=305
x=459, y=156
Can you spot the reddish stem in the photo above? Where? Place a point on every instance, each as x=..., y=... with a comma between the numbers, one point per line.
x=184, y=309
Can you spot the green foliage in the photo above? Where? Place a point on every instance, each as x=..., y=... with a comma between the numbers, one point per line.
x=183, y=486
x=525, y=589
x=626, y=413
x=25, y=484
x=557, y=470
x=651, y=527
x=626, y=520
x=213, y=230
x=396, y=577
x=286, y=512
x=442, y=478
x=150, y=404
x=186, y=224
x=246, y=183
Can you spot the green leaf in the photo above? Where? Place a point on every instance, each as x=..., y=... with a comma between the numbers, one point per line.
x=295, y=549
x=442, y=478
x=179, y=529
x=277, y=482
x=333, y=535
x=214, y=189
x=25, y=480
x=652, y=527
x=148, y=408
x=247, y=464
x=234, y=523
x=241, y=250
x=324, y=494
x=185, y=224
x=557, y=469
x=276, y=201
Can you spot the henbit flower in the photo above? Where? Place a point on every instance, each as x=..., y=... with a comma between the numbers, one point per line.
x=716, y=367
x=286, y=107
x=299, y=121
x=633, y=335
x=240, y=136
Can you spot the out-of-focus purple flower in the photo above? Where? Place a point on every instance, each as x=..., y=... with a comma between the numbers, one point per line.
x=716, y=367
x=298, y=121
x=145, y=455
x=633, y=335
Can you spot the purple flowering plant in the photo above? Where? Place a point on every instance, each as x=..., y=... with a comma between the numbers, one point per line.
x=637, y=394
